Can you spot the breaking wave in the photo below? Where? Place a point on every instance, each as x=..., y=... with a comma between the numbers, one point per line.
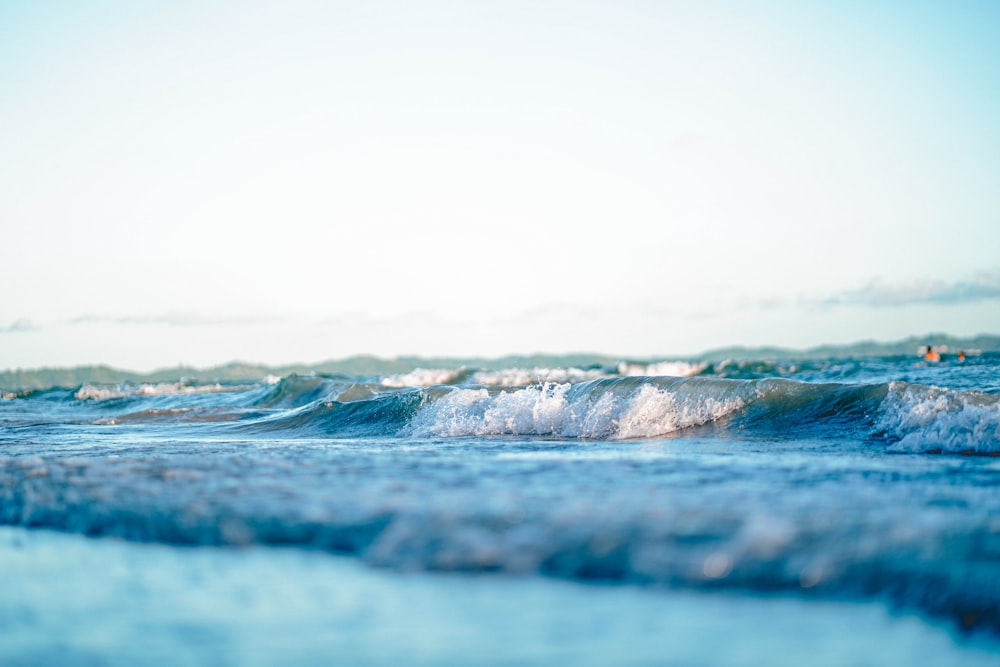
x=911, y=418
x=562, y=403
x=935, y=419
x=689, y=475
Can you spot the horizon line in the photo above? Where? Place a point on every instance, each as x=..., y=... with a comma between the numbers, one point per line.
x=928, y=337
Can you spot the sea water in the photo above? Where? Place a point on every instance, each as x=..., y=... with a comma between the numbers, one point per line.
x=829, y=511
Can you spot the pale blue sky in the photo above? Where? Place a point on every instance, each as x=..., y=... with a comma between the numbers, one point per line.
x=296, y=181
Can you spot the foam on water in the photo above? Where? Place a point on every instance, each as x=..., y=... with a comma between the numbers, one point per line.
x=507, y=377
x=535, y=410
x=667, y=368
x=936, y=419
x=514, y=377
x=420, y=377
x=914, y=418
x=604, y=412
x=519, y=377
x=96, y=392
x=590, y=404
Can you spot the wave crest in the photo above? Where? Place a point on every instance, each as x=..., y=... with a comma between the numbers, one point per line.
x=929, y=419
x=97, y=392
x=609, y=409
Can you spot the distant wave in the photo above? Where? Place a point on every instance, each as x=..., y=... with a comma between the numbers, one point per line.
x=95, y=392
x=514, y=377
x=910, y=417
x=595, y=404
x=907, y=417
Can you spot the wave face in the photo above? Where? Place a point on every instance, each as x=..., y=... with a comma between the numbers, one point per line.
x=906, y=417
x=629, y=408
x=591, y=404
x=863, y=478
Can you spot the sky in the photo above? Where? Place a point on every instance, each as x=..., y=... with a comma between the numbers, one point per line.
x=200, y=182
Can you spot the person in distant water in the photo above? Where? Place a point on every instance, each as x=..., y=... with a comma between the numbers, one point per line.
x=961, y=355
x=932, y=354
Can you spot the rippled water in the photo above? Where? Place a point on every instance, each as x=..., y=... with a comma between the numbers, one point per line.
x=725, y=486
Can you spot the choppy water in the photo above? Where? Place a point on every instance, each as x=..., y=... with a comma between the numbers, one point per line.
x=860, y=481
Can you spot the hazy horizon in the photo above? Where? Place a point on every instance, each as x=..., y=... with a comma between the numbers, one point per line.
x=946, y=343
x=196, y=183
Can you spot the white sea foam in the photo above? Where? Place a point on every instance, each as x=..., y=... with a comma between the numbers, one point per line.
x=509, y=377
x=662, y=368
x=651, y=412
x=516, y=377
x=932, y=418
x=420, y=377
x=96, y=392
x=549, y=410
x=535, y=410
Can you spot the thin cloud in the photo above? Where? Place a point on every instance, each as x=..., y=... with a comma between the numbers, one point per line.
x=175, y=319
x=19, y=325
x=564, y=312
x=984, y=286
x=358, y=319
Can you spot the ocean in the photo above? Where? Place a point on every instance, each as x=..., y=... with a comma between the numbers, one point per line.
x=828, y=511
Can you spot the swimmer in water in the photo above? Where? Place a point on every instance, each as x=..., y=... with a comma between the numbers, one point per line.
x=932, y=354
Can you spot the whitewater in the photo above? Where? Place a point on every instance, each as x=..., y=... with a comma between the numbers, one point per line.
x=829, y=511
